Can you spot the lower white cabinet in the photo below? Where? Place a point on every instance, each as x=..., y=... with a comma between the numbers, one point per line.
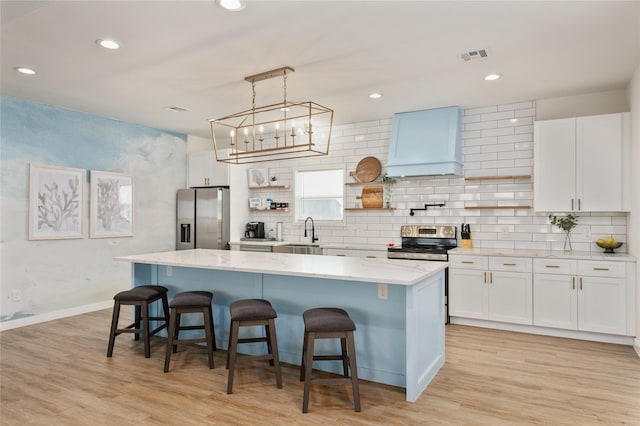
x=580, y=295
x=491, y=288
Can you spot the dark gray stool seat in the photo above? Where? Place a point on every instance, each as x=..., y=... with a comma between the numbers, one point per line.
x=141, y=297
x=190, y=302
x=252, y=312
x=329, y=323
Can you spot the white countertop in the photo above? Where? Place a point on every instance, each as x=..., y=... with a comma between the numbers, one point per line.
x=321, y=245
x=554, y=254
x=390, y=271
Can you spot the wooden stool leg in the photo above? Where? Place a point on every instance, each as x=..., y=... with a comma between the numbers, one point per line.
x=114, y=327
x=208, y=331
x=267, y=334
x=136, y=321
x=176, y=330
x=165, y=309
x=354, y=371
x=231, y=355
x=308, y=364
x=145, y=331
x=274, y=352
x=304, y=352
x=171, y=332
x=213, y=328
x=345, y=357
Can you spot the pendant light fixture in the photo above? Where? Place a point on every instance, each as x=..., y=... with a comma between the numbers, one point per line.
x=279, y=131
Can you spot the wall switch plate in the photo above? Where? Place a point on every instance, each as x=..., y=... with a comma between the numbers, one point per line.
x=169, y=270
x=383, y=291
x=16, y=295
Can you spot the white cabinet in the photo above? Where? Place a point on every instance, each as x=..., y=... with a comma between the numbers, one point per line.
x=492, y=288
x=580, y=295
x=371, y=254
x=582, y=164
x=204, y=170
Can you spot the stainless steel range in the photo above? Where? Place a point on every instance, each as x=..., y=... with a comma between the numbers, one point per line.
x=420, y=242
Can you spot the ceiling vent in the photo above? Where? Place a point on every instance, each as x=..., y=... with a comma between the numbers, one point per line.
x=474, y=54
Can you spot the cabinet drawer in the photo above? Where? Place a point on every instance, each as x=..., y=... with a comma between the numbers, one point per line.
x=511, y=264
x=555, y=266
x=469, y=262
x=602, y=268
x=370, y=254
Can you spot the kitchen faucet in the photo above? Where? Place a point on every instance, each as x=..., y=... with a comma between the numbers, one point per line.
x=313, y=229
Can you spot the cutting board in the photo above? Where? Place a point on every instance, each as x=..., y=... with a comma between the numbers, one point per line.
x=371, y=197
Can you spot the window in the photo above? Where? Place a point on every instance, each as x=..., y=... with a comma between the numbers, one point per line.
x=319, y=194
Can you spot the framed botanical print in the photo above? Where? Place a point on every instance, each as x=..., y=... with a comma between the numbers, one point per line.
x=56, y=202
x=111, y=210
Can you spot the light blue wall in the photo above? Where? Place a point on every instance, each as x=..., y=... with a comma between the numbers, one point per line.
x=57, y=275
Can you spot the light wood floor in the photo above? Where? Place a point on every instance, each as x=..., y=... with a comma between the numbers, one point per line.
x=57, y=373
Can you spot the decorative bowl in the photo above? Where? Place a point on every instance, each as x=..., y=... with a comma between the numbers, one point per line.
x=608, y=248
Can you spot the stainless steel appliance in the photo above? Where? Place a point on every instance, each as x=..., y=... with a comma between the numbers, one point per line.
x=254, y=230
x=202, y=218
x=420, y=242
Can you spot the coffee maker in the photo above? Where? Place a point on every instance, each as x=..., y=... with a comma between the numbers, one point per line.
x=254, y=230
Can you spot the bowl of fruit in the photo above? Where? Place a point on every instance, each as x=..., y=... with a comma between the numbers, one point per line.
x=608, y=244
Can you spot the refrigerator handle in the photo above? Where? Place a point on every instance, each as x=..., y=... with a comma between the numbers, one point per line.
x=185, y=232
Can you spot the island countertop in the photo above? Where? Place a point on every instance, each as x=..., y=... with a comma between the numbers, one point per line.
x=390, y=271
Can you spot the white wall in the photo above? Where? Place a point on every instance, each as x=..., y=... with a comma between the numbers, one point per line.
x=634, y=216
x=581, y=105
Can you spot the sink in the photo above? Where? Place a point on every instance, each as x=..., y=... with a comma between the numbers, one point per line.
x=298, y=248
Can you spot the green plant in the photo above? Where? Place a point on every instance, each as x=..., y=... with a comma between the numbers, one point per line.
x=274, y=178
x=566, y=223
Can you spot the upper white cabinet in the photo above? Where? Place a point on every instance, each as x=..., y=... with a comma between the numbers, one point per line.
x=204, y=170
x=582, y=164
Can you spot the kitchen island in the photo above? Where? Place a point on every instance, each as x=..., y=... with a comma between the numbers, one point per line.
x=397, y=305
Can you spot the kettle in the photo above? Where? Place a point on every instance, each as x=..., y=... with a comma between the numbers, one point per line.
x=254, y=230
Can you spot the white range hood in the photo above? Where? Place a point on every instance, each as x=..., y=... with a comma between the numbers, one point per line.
x=426, y=143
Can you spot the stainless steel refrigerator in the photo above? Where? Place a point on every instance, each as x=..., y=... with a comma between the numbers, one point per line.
x=202, y=218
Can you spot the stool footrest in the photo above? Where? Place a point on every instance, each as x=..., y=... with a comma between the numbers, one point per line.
x=327, y=357
x=252, y=340
x=191, y=327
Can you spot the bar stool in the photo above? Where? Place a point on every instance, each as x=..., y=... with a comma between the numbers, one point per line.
x=329, y=323
x=252, y=312
x=140, y=297
x=190, y=302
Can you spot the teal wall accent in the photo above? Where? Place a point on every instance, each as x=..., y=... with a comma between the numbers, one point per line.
x=59, y=275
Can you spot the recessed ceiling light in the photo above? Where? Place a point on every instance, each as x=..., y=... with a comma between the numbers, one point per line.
x=232, y=5
x=108, y=43
x=492, y=76
x=375, y=95
x=25, y=70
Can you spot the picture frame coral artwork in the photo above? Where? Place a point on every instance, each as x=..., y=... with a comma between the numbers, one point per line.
x=56, y=202
x=112, y=213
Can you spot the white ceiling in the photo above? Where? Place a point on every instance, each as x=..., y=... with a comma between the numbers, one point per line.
x=195, y=55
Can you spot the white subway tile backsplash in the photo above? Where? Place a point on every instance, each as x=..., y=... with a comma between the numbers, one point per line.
x=492, y=146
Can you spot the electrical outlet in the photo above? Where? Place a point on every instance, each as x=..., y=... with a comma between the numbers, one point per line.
x=505, y=232
x=169, y=270
x=383, y=291
x=16, y=295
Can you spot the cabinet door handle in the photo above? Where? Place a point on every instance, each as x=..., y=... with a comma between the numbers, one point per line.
x=552, y=266
x=372, y=257
x=573, y=283
x=490, y=277
x=509, y=264
x=580, y=283
x=572, y=204
x=467, y=262
x=579, y=204
x=600, y=269
x=485, y=277
x=340, y=254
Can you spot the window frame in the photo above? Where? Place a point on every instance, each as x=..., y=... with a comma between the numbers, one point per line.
x=326, y=167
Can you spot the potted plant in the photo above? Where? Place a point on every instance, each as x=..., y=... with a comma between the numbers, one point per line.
x=386, y=185
x=274, y=181
x=566, y=223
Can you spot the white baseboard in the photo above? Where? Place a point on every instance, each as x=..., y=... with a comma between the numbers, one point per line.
x=636, y=345
x=555, y=332
x=49, y=316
